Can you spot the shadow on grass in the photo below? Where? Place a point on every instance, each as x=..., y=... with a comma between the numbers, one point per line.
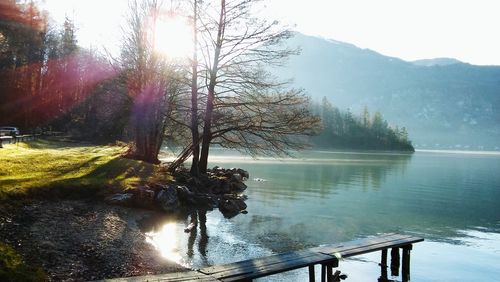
x=111, y=177
x=77, y=166
x=54, y=143
x=121, y=167
x=46, y=144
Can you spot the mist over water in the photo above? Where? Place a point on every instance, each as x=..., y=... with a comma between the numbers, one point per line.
x=320, y=197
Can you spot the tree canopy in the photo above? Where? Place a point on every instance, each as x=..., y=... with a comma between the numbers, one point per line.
x=344, y=130
x=223, y=95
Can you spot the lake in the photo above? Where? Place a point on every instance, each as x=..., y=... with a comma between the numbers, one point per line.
x=452, y=199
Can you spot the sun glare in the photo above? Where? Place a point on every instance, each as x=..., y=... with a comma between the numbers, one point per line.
x=166, y=242
x=173, y=38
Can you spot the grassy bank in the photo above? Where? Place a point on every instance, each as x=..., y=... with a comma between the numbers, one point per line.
x=49, y=169
x=45, y=165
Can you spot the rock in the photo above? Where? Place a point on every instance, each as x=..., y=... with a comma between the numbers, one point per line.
x=226, y=187
x=210, y=185
x=121, y=199
x=238, y=187
x=167, y=199
x=227, y=173
x=243, y=173
x=231, y=207
x=236, y=177
x=194, y=183
x=156, y=187
x=206, y=191
x=206, y=200
x=196, y=199
x=143, y=197
x=185, y=194
x=221, y=187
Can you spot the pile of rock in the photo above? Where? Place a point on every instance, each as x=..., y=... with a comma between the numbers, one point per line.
x=219, y=188
x=226, y=181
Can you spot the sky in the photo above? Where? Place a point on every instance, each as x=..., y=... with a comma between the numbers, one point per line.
x=409, y=29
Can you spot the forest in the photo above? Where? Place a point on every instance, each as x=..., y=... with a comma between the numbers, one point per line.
x=345, y=130
x=221, y=95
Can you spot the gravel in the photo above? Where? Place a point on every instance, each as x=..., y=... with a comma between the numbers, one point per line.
x=78, y=240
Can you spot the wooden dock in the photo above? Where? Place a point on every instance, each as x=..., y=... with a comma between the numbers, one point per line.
x=326, y=256
x=170, y=277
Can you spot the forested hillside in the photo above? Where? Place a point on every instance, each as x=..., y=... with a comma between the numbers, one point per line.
x=346, y=130
x=443, y=103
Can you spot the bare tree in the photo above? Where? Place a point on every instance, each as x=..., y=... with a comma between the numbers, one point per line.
x=194, y=95
x=151, y=81
x=244, y=107
x=264, y=122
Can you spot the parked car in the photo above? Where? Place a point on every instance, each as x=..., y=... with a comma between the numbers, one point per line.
x=9, y=130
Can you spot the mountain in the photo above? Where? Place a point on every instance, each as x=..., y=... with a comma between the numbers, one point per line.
x=436, y=62
x=443, y=103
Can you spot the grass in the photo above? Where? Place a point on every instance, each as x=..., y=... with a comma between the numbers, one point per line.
x=13, y=267
x=46, y=168
x=44, y=165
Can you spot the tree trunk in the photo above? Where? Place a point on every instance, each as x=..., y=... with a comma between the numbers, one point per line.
x=147, y=146
x=207, y=126
x=207, y=133
x=181, y=158
x=194, y=98
x=148, y=132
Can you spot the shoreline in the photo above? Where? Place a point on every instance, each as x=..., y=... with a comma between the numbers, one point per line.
x=463, y=152
x=83, y=239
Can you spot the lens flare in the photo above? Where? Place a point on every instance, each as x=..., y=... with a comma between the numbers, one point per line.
x=173, y=38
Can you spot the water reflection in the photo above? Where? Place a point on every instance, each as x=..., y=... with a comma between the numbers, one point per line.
x=315, y=176
x=168, y=233
x=322, y=197
x=199, y=216
x=165, y=241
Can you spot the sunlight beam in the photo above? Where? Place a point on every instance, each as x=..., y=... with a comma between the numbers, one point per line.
x=173, y=38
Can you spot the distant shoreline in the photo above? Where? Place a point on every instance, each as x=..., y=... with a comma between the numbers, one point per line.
x=463, y=152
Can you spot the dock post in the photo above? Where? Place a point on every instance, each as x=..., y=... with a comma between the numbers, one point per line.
x=395, y=261
x=405, y=271
x=327, y=271
x=311, y=273
x=329, y=274
x=383, y=266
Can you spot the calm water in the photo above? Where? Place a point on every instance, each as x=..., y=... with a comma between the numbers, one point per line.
x=451, y=199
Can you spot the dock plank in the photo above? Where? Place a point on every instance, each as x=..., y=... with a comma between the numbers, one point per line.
x=264, y=260
x=368, y=245
x=170, y=277
x=278, y=263
x=260, y=267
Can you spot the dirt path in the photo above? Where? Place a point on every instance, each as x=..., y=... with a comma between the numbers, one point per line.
x=76, y=240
